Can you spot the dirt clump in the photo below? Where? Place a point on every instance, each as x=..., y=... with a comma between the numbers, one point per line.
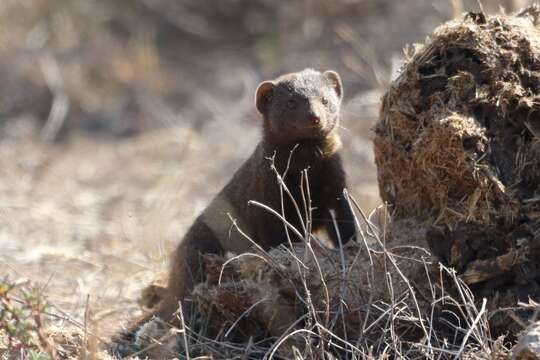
x=457, y=148
x=308, y=286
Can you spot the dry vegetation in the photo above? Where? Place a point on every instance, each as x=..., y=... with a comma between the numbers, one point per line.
x=119, y=120
x=457, y=148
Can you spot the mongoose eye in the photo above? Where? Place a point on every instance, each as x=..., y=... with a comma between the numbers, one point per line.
x=324, y=100
x=291, y=104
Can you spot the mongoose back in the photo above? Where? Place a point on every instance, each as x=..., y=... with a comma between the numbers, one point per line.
x=299, y=111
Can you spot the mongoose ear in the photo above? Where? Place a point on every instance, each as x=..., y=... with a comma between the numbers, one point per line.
x=263, y=96
x=335, y=80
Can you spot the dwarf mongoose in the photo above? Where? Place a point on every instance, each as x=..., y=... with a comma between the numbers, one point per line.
x=299, y=111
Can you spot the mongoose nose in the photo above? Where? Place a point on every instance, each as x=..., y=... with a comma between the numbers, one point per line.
x=314, y=119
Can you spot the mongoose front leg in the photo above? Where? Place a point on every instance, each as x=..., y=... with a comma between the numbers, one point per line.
x=344, y=221
x=337, y=210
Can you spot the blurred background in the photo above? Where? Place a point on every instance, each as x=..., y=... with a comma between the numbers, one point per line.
x=120, y=119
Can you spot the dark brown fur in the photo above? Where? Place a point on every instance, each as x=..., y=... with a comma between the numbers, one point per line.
x=299, y=110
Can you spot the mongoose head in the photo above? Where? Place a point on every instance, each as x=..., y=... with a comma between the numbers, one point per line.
x=300, y=106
